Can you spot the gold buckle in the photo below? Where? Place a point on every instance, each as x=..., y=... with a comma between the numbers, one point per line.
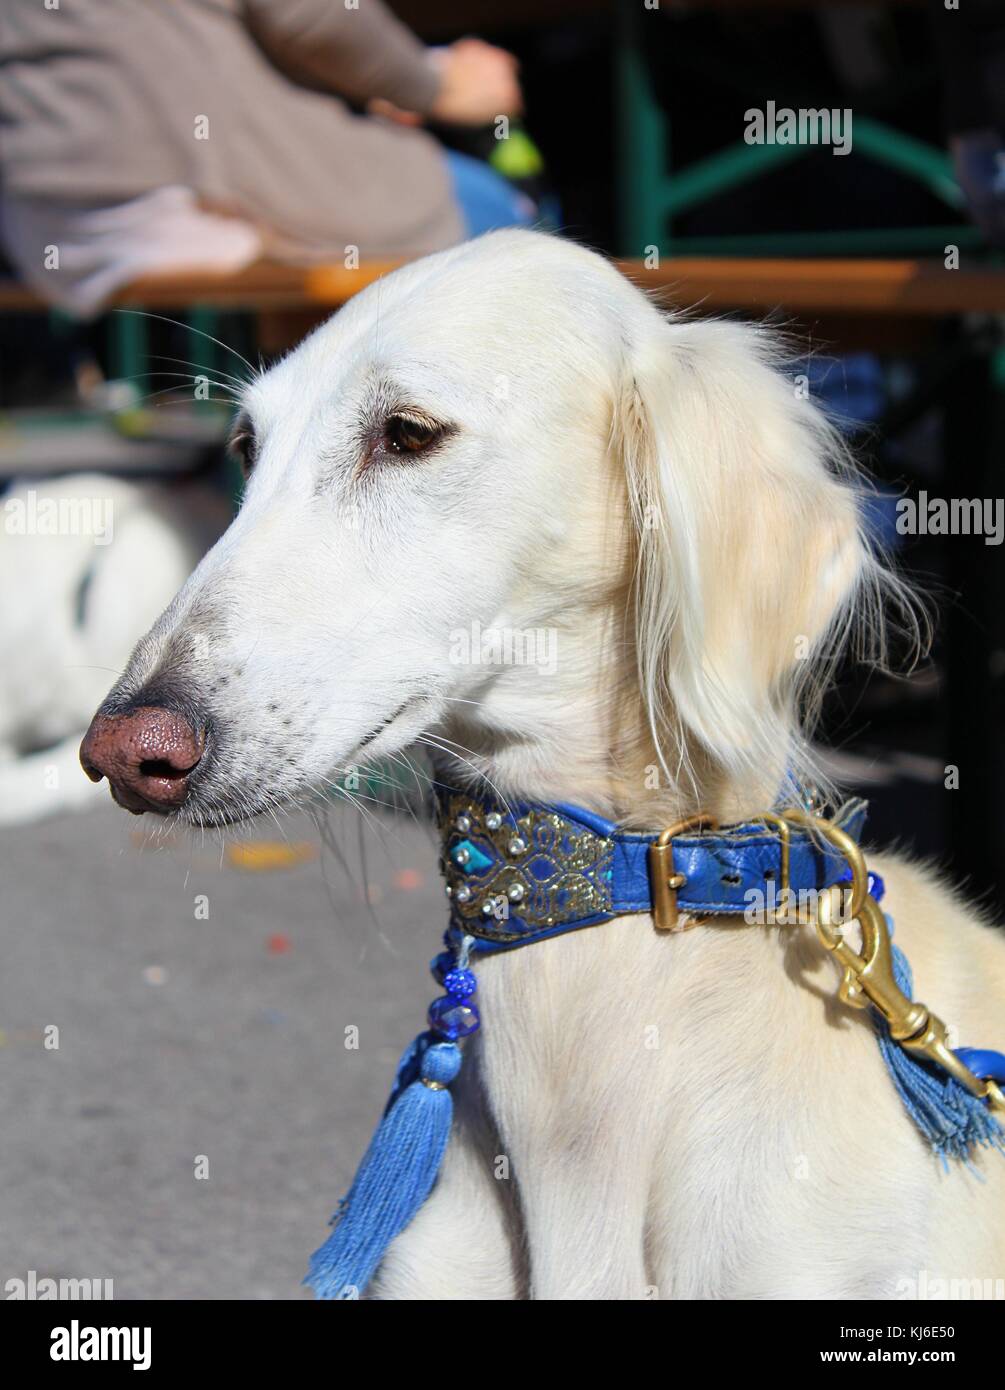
x=663, y=878
x=785, y=892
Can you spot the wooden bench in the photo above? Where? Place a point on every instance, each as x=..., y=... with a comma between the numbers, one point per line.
x=902, y=288
x=886, y=305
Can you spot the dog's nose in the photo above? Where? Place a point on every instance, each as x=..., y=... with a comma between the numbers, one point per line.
x=147, y=755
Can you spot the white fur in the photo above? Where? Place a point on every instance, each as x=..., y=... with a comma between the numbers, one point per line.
x=72, y=604
x=692, y=1116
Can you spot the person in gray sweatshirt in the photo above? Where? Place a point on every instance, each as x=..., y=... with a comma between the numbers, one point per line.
x=146, y=136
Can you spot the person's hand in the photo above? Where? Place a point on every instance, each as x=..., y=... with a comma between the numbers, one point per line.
x=478, y=83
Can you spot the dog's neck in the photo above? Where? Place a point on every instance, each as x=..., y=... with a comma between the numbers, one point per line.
x=586, y=744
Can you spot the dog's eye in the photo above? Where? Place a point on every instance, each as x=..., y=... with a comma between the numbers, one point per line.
x=409, y=434
x=243, y=445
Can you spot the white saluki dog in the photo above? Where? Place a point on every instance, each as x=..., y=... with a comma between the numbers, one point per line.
x=508, y=435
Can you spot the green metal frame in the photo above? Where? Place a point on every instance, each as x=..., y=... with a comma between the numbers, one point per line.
x=129, y=359
x=652, y=195
x=129, y=345
x=129, y=342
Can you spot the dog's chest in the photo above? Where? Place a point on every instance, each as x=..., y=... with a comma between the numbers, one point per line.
x=681, y=1081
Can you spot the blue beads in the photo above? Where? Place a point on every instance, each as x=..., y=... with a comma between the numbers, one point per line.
x=460, y=983
x=441, y=965
x=453, y=1018
x=454, y=1015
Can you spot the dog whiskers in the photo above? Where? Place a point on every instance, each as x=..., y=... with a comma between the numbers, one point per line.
x=430, y=741
x=145, y=314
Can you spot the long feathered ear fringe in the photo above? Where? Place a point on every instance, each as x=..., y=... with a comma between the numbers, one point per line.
x=952, y=1120
x=397, y=1172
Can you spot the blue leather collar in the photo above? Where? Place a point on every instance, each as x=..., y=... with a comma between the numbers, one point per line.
x=519, y=872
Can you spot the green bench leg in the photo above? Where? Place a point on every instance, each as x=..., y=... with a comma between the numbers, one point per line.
x=643, y=135
x=129, y=348
x=202, y=351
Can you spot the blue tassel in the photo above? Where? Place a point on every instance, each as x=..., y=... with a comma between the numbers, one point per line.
x=396, y=1174
x=952, y=1120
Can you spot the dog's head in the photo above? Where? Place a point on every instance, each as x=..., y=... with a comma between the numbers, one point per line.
x=504, y=437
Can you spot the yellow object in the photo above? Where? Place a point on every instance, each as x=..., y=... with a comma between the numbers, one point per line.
x=133, y=422
x=264, y=856
x=517, y=157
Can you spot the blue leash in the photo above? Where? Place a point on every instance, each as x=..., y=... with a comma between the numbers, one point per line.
x=516, y=875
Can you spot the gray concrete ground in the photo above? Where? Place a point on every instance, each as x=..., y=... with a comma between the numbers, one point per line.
x=180, y=1037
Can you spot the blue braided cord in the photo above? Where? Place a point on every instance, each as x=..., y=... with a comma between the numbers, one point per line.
x=410, y=1063
x=952, y=1120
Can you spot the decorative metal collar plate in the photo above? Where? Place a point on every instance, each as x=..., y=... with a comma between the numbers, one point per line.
x=516, y=874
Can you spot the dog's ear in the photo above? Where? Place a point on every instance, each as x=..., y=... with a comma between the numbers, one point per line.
x=749, y=543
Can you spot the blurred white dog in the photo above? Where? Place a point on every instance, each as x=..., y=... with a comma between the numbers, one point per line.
x=87, y=561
